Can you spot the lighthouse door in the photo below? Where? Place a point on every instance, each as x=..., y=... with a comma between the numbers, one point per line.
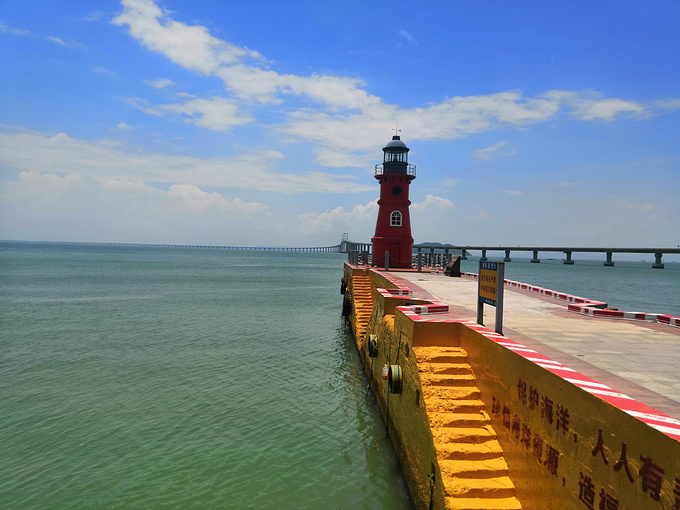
x=395, y=254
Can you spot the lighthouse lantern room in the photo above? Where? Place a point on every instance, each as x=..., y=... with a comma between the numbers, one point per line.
x=393, y=227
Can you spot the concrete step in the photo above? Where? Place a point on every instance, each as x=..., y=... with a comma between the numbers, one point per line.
x=454, y=406
x=464, y=434
x=436, y=354
x=451, y=393
x=511, y=503
x=461, y=451
x=494, y=487
x=483, y=468
x=448, y=379
x=458, y=420
x=444, y=368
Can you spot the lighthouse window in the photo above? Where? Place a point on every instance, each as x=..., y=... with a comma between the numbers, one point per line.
x=399, y=157
x=395, y=219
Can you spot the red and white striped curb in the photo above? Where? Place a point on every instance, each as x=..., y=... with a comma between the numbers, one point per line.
x=397, y=282
x=671, y=320
x=395, y=292
x=435, y=307
x=591, y=307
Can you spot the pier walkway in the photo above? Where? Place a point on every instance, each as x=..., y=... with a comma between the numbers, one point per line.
x=639, y=359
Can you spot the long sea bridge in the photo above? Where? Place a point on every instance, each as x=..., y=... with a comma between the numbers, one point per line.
x=429, y=254
x=318, y=249
x=344, y=246
x=535, y=250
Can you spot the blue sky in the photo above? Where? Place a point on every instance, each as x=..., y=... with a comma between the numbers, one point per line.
x=259, y=123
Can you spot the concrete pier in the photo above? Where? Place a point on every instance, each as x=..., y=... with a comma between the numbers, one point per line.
x=561, y=411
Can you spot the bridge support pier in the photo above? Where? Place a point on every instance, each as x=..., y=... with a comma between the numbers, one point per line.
x=568, y=260
x=535, y=260
x=609, y=261
x=507, y=256
x=463, y=254
x=483, y=257
x=657, y=261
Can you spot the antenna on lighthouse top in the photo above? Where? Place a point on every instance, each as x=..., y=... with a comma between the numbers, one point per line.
x=397, y=130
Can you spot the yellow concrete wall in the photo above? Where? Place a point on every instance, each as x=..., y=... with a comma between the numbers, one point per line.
x=405, y=412
x=585, y=431
x=406, y=420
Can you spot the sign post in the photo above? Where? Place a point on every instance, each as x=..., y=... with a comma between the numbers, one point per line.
x=490, y=291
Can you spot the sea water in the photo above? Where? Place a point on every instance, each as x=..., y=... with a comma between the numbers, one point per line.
x=157, y=378
x=183, y=378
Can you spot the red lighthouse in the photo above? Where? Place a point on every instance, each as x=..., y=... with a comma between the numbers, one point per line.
x=393, y=228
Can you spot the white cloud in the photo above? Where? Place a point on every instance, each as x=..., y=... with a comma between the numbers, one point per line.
x=357, y=134
x=191, y=47
x=123, y=126
x=70, y=44
x=254, y=171
x=105, y=71
x=629, y=205
x=127, y=185
x=605, y=109
x=359, y=220
x=408, y=36
x=432, y=205
x=56, y=40
x=160, y=84
x=590, y=105
x=670, y=104
x=348, y=122
x=494, y=152
x=52, y=207
x=32, y=181
x=94, y=16
x=480, y=216
x=15, y=31
x=431, y=219
x=197, y=201
x=450, y=183
x=143, y=105
x=512, y=192
x=218, y=114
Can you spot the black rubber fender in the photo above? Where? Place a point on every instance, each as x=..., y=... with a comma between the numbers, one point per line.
x=372, y=346
x=346, y=306
x=394, y=379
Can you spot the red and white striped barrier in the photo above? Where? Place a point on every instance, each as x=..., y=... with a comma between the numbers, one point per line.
x=591, y=307
x=395, y=292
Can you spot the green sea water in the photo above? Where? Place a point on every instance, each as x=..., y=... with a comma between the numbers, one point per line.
x=195, y=378
x=183, y=378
